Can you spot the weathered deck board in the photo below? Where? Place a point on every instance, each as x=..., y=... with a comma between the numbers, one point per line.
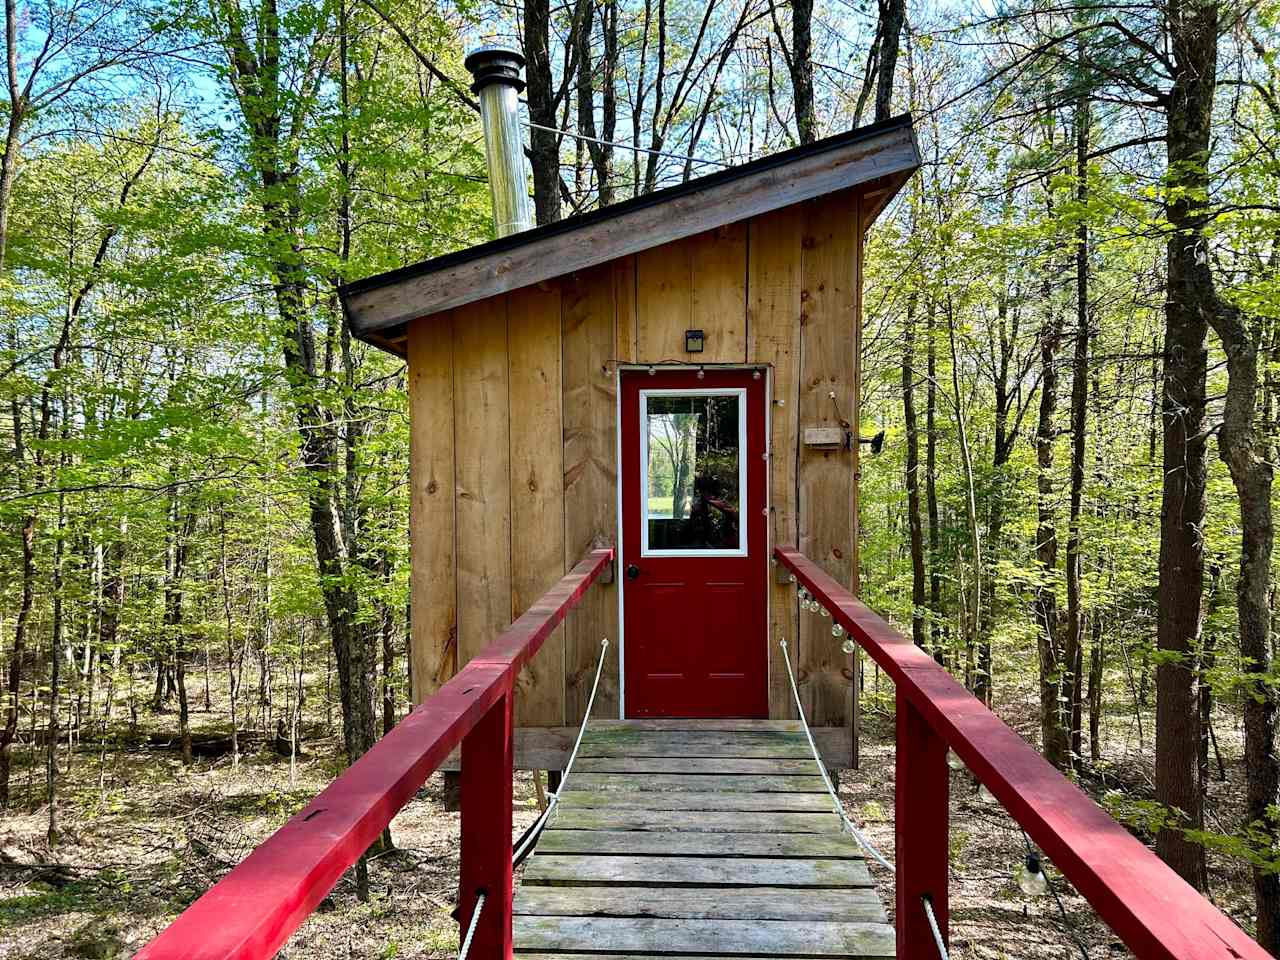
x=725, y=800
x=725, y=744
x=760, y=903
x=684, y=841
x=705, y=821
x=652, y=843
x=696, y=871
x=644, y=936
x=701, y=782
x=693, y=765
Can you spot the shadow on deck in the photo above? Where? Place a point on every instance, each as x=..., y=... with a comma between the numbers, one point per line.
x=708, y=838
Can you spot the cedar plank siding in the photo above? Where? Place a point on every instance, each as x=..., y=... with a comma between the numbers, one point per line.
x=517, y=396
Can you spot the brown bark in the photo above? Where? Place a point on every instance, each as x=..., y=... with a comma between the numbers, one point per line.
x=913, y=476
x=931, y=483
x=600, y=154
x=1052, y=733
x=181, y=528
x=892, y=14
x=544, y=145
x=1243, y=446
x=1073, y=642
x=800, y=64
x=1193, y=34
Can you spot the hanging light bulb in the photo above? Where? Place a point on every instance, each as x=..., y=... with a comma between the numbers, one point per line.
x=1031, y=878
x=985, y=795
x=837, y=630
x=954, y=761
x=824, y=611
x=848, y=646
x=792, y=578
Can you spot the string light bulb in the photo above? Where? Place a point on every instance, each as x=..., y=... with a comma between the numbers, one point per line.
x=1031, y=878
x=848, y=646
x=824, y=611
x=954, y=761
x=985, y=795
x=837, y=630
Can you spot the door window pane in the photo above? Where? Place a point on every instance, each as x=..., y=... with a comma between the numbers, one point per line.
x=693, y=496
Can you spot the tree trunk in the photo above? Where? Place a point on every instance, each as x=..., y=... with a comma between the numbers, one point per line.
x=1073, y=644
x=1243, y=446
x=1193, y=33
x=913, y=476
x=55, y=660
x=931, y=483
x=801, y=66
x=892, y=14
x=544, y=145
x=1052, y=733
x=1095, y=689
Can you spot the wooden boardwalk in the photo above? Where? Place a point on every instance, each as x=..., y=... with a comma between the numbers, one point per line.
x=696, y=838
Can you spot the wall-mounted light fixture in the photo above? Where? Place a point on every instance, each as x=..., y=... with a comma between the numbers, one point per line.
x=693, y=341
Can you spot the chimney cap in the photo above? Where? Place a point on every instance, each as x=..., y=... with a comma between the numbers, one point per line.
x=493, y=63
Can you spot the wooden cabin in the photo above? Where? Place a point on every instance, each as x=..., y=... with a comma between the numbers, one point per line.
x=676, y=375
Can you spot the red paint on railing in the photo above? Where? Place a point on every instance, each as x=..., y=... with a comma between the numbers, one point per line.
x=252, y=911
x=1148, y=906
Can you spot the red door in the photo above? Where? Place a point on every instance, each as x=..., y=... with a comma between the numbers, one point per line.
x=694, y=544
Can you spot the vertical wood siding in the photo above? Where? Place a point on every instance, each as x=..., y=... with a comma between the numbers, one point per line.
x=537, y=488
x=825, y=477
x=482, y=473
x=590, y=478
x=432, y=606
x=773, y=322
x=517, y=396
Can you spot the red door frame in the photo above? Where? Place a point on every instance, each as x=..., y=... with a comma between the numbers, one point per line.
x=739, y=582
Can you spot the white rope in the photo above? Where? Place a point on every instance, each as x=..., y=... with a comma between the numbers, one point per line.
x=471, y=927
x=552, y=799
x=933, y=925
x=836, y=805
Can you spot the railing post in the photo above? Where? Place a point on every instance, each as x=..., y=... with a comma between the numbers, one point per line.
x=922, y=832
x=487, y=756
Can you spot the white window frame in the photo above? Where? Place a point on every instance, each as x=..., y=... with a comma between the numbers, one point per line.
x=743, y=501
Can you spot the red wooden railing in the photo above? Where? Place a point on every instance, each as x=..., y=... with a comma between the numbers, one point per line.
x=1147, y=905
x=252, y=911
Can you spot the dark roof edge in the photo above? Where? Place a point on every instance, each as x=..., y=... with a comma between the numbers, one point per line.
x=516, y=240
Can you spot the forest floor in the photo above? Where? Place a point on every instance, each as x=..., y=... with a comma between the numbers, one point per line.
x=142, y=836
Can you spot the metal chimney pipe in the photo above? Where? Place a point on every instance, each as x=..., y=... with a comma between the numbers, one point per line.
x=497, y=81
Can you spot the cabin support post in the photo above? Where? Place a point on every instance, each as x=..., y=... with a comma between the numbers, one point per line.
x=487, y=755
x=921, y=832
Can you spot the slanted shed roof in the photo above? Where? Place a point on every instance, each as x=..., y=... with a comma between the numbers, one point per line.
x=884, y=154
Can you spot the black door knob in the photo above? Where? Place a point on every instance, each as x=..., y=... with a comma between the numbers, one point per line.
x=632, y=571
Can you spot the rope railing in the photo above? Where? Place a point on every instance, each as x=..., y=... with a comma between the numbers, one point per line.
x=836, y=805
x=933, y=927
x=530, y=838
x=471, y=927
